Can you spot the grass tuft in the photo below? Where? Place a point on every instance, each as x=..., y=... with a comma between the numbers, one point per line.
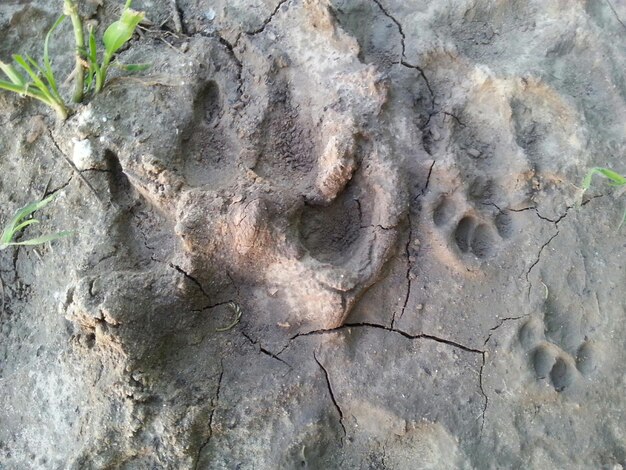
x=23, y=219
x=615, y=179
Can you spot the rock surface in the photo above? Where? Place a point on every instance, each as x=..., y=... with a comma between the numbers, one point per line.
x=385, y=191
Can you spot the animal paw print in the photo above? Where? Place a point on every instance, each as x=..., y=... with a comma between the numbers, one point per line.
x=471, y=234
x=550, y=362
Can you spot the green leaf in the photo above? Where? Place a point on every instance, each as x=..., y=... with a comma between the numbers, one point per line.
x=120, y=32
x=43, y=239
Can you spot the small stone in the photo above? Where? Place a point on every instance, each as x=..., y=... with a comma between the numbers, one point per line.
x=416, y=242
x=474, y=153
x=83, y=155
x=419, y=306
x=412, y=259
x=412, y=276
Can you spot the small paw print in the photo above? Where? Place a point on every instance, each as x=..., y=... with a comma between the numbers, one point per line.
x=550, y=362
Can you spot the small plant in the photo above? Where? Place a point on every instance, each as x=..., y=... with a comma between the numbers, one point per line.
x=615, y=179
x=115, y=37
x=89, y=73
x=23, y=219
x=39, y=82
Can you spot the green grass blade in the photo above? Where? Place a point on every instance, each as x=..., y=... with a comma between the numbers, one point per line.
x=27, y=210
x=43, y=239
x=34, y=77
x=21, y=89
x=35, y=66
x=93, y=48
x=49, y=74
x=587, y=179
x=25, y=224
x=614, y=177
x=13, y=75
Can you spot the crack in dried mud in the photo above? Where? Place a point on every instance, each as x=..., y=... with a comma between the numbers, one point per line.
x=268, y=20
x=402, y=61
x=231, y=52
x=482, y=367
x=536, y=262
x=407, y=249
x=190, y=278
x=214, y=402
x=262, y=350
x=543, y=247
x=453, y=116
x=73, y=166
x=381, y=327
x=409, y=266
x=49, y=192
x=437, y=339
x=332, y=397
x=484, y=394
x=502, y=322
x=615, y=13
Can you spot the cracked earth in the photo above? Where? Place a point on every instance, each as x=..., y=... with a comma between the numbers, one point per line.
x=321, y=234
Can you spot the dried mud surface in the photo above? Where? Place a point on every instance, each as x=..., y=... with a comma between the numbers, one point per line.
x=388, y=192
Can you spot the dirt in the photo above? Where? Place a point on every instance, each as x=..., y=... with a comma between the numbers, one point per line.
x=387, y=192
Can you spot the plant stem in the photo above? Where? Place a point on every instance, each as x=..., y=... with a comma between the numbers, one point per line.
x=60, y=109
x=102, y=76
x=71, y=9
